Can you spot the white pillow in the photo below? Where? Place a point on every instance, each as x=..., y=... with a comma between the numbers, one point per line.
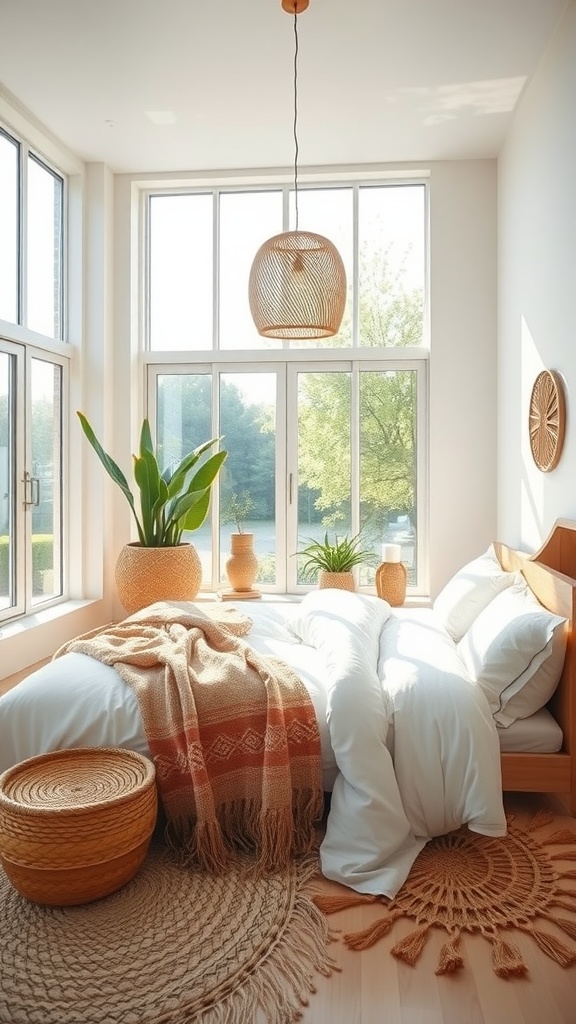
x=469, y=591
x=323, y=613
x=514, y=650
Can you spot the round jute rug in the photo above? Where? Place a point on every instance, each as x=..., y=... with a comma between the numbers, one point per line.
x=170, y=946
x=467, y=882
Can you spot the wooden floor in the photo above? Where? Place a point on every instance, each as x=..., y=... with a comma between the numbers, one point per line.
x=375, y=988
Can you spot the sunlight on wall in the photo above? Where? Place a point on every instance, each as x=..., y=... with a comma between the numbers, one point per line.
x=447, y=102
x=532, y=480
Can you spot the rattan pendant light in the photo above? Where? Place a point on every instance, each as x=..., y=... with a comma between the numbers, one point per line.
x=297, y=286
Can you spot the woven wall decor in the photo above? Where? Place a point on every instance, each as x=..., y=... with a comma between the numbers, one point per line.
x=547, y=420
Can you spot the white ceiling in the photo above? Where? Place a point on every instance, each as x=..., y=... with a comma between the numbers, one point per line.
x=378, y=80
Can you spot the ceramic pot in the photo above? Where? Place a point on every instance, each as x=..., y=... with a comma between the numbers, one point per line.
x=242, y=566
x=145, y=575
x=336, y=580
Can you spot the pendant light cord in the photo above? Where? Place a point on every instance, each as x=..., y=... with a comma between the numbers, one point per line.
x=296, y=116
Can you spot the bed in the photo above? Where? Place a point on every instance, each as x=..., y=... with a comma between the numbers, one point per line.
x=412, y=743
x=550, y=572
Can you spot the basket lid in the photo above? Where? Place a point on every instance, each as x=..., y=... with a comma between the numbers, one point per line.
x=75, y=779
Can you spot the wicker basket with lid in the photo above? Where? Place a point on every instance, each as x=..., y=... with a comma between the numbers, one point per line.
x=75, y=825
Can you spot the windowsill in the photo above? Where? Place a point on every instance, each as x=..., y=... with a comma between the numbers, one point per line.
x=41, y=618
x=36, y=637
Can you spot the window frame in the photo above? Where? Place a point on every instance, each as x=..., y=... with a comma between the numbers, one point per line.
x=154, y=362
x=288, y=364
x=28, y=345
x=286, y=188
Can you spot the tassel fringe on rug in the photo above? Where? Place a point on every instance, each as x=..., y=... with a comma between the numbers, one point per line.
x=170, y=947
x=465, y=882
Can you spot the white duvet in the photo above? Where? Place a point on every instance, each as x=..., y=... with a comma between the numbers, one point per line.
x=409, y=746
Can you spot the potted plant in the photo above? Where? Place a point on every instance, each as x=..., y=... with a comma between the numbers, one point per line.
x=242, y=566
x=159, y=565
x=332, y=562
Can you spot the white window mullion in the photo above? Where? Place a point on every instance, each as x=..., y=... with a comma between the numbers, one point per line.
x=355, y=448
x=23, y=235
x=283, y=513
x=215, y=493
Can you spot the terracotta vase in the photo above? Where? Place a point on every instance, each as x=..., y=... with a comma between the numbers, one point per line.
x=242, y=566
x=336, y=580
x=145, y=575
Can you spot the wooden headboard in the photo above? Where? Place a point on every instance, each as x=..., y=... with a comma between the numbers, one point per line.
x=550, y=573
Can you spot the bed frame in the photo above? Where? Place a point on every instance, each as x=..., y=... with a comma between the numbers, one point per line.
x=551, y=575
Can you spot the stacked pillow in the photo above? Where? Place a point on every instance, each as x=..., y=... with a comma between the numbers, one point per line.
x=512, y=647
x=469, y=591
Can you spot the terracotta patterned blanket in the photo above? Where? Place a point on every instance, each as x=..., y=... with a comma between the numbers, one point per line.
x=233, y=735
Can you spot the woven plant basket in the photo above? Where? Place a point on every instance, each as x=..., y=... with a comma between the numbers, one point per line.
x=75, y=825
x=336, y=580
x=391, y=582
x=145, y=575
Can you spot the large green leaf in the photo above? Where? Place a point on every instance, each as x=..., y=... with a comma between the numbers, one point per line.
x=169, y=502
x=111, y=467
x=176, y=480
x=197, y=513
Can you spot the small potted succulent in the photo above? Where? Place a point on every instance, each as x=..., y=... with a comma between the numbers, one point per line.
x=331, y=562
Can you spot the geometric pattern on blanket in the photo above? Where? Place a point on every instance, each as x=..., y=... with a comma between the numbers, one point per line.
x=233, y=735
x=488, y=885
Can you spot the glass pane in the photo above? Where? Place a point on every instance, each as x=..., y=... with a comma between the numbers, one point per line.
x=44, y=250
x=391, y=264
x=324, y=458
x=329, y=212
x=247, y=219
x=46, y=484
x=388, y=466
x=7, y=495
x=184, y=421
x=9, y=156
x=181, y=290
x=248, y=477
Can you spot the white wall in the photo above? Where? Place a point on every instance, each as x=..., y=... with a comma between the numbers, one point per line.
x=463, y=364
x=537, y=290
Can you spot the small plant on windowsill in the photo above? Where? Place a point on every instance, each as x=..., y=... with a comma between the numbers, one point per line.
x=332, y=562
x=242, y=566
x=236, y=508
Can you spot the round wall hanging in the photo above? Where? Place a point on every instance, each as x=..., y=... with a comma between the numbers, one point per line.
x=547, y=420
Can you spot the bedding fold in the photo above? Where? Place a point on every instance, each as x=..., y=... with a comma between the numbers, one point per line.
x=413, y=738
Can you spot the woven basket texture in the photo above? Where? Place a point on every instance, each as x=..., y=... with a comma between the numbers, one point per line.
x=336, y=581
x=146, y=575
x=297, y=287
x=75, y=825
x=391, y=582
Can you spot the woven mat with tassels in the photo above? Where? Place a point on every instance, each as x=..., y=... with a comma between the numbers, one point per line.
x=465, y=882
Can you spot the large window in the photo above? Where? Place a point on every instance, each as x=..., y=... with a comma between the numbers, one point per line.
x=312, y=446
x=31, y=380
x=321, y=435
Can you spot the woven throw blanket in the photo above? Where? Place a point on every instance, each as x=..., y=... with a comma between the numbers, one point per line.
x=233, y=735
